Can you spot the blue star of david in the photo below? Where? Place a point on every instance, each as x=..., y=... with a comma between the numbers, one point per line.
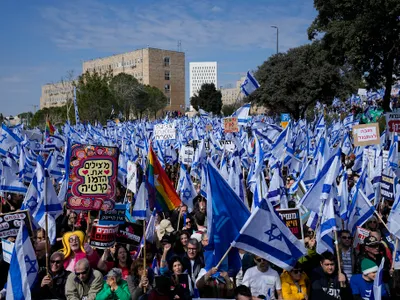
x=347, y=144
x=40, y=184
x=271, y=235
x=358, y=209
x=32, y=265
x=187, y=194
x=3, y=137
x=181, y=181
x=31, y=203
x=397, y=259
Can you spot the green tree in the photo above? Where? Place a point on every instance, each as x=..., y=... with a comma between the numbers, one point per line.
x=363, y=34
x=208, y=98
x=1, y=118
x=94, y=97
x=56, y=115
x=156, y=99
x=126, y=90
x=291, y=82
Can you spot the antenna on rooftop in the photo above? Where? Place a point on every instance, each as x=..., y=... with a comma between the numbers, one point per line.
x=179, y=46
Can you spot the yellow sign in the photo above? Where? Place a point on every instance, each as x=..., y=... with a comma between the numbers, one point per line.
x=231, y=125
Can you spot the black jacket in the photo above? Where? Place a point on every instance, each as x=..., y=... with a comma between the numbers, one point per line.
x=57, y=291
x=327, y=287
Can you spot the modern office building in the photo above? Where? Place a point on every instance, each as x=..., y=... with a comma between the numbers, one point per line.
x=163, y=69
x=56, y=94
x=200, y=73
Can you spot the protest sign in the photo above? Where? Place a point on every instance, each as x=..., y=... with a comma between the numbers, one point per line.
x=227, y=145
x=285, y=118
x=103, y=236
x=163, y=132
x=231, y=125
x=130, y=233
x=291, y=217
x=92, y=177
x=186, y=155
x=368, y=159
x=387, y=183
x=113, y=216
x=8, y=248
x=393, y=122
x=361, y=235
x=10, y=223
x=366, y=134
x=132, y=177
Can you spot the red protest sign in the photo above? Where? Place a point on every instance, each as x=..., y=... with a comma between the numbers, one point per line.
x=92, y=177
x=103, y=236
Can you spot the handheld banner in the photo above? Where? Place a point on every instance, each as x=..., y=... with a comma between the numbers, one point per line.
x=393, y=122
x=163, y=132
x=231, y=125
x=130, y=233
x=366, y=134
x=186, y=155
x=387, y=190
x=103, y=236
x=113, y=216
x=92, y=177
x=361, y=235
x=291, y=217
x=10, y=223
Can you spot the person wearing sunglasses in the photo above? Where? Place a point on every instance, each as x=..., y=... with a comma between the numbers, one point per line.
x=263, y=280
x=295, y=284
x=84, y=282
x=51, y=285
x=347, y=253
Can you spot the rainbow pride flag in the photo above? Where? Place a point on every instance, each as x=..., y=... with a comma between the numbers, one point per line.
x=49, y=130
x=162, y=194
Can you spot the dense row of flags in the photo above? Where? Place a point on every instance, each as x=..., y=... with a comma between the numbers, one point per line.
x=309, y=152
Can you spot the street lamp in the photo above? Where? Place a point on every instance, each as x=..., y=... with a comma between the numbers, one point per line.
x=277, y=38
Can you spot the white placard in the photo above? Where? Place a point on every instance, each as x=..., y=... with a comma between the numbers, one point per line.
x=163, y=132
x=186, y=155
x=227, y=145
x=8, y=248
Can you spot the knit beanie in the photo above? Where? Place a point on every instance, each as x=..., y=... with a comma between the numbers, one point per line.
x=368, y=266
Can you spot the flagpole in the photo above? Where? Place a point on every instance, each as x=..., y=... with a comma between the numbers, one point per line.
x=179, y=218
x=380, y=219
x=223, y=257
x=144, y=251
x=46, y=223
x=342, y=284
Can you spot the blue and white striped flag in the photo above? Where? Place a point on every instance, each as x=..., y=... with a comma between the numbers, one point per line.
x=265, y=235
x=242, y=114
x=76, y=108
x=139, y=211
x=360, y=211
x=23, y=267
x=325, y=239
x=249, y=85
x=378, y=281
x=8, y=139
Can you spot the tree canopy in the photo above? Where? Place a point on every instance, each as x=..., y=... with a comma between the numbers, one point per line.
x=208, y=98
x=291, y=82
x=364, y=34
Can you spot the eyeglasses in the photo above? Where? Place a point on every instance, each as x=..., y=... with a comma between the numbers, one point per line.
x=188, y=222
x=346, y=237
x=310, y=231
x=373, y=246
x=73, y=239
x=57, y=262
x=260, y=260
x=297, y=271
x=192, y=249
x=82, y=273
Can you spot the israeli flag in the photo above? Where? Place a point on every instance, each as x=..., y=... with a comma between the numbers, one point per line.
x=141, y=203
x=378, y=282
x=394, y=216
x=325, y=240
x=151, y=228
x=23, y=267
x=8, y=139
x=242, y=114
x=266, y=235
x=249, y=85
x=360, y=211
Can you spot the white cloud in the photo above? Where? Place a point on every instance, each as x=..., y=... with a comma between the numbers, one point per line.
x=94, y=25
x=216, y=9
x=11, y=79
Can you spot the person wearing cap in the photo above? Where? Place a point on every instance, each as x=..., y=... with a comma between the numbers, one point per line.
x=370, y=250
x=295, y=284
x=362, y=285
x=114, y=287
x=164, y=228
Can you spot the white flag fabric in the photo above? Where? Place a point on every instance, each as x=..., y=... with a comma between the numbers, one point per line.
x=265, y=235
x=249, y=85
x=378, y=282
x=23, y=267
x=132, y=177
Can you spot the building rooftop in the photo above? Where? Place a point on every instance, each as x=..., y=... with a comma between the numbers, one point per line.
x=125, y=53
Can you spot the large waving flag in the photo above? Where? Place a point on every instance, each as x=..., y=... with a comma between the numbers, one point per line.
x=8, y=139
x=360, y=210
x=226, y=214
x=249, y=85
x=23, y=267
x=162, y=194
x=9, y=180
x=325, y=239
x=242, y=114
x=265, y=235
